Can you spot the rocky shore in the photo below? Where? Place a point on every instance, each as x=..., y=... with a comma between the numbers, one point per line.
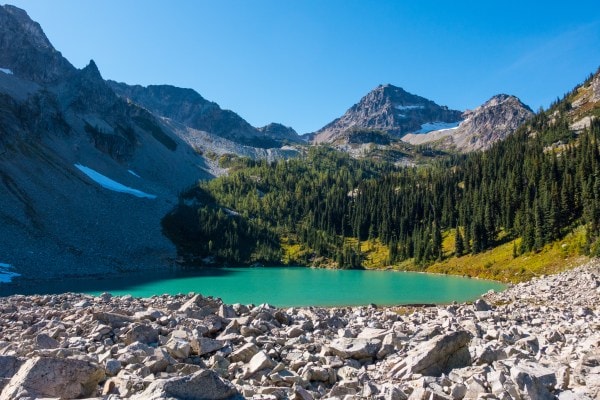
x=536, y=340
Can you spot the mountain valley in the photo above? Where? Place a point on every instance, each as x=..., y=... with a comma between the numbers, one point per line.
x=76, y=149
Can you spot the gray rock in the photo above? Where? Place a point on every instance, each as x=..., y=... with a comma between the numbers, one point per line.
x=355, y=348
x=302, y=394
x=534, y=380
x=9, y=365
x=141, y=333
x=178, y=348
x=572, y=395
x=259, y=361
x=226, y=311
x=436, y=356
x=244, y=353
x=489, y=354
x=372, y=333
x=44, y=341
x=202, y=385
x=54, y=377
x=458, y=391
x=482, y=305
x=529, y=344
x=112, y=366
x=294, y=332
x=203, y=345
x=112, y=319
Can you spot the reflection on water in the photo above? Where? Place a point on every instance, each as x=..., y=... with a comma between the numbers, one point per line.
x=280, y=286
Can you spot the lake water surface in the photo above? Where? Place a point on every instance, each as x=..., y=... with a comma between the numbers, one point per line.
x=283, y=286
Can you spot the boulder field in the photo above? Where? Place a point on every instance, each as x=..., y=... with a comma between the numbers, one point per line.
x=536, y=340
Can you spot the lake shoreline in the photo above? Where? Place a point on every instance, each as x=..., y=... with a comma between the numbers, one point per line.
x=281, y=286
x=537, y=339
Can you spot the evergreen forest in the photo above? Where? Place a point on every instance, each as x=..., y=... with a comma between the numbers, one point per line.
x=533, y=188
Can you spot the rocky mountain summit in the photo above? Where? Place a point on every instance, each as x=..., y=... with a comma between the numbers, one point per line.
x=491, y=122
x=536, y=340
x=389, y=109
x=26, y=50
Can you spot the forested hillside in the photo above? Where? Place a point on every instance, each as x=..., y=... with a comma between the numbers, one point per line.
x=533, y=188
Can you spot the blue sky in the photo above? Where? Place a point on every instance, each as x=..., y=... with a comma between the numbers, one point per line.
x=303, y=63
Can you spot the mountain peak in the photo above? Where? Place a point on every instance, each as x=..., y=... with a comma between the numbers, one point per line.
x=492, y=121
x=25, y=49
x=390, y=87
x=34, y=31
x=91, y=70
x=501, y=103
x=389, y=109
x=505, y=98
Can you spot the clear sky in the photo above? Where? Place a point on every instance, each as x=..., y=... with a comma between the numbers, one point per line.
x=304, y=62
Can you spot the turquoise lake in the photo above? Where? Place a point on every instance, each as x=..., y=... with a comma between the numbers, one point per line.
x=282, y=286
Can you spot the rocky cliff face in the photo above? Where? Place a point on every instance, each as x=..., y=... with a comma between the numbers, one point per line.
x=389, y=109
x=26, y=51
x=189, y=108
x=493, y=121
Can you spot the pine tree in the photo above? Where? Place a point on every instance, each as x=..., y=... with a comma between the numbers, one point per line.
x=459, y=246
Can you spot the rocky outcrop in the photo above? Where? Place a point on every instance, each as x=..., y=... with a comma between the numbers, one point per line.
x=487, y=124
x=584, y=103
x=388, y=109
x=536, y=340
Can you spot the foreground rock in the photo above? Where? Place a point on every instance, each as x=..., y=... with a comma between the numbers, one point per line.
x=200, y=385
x=536, y=340
x=54, y=377
x=439, y=355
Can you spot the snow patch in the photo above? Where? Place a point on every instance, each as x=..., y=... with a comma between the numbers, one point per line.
x=437, y=126
x=133, y=173
x=6, y=71
x=108, y=183
x=417, y=107
x=6, y=275
x=231, y=212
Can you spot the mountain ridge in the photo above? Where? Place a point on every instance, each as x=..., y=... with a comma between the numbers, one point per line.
x=188, y=107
